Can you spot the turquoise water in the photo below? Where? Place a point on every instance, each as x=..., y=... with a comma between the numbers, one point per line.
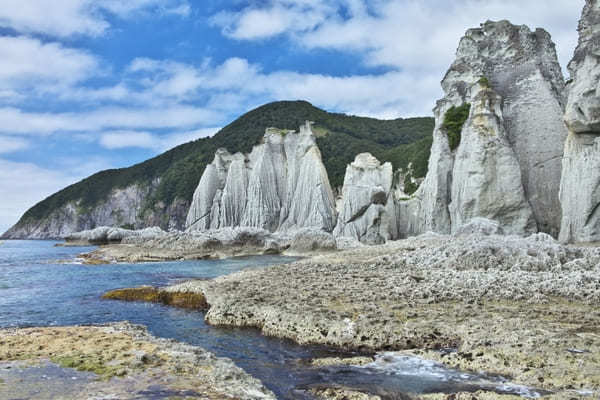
x=39, y=288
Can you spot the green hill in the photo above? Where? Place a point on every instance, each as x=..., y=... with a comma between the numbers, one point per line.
x=340, y=138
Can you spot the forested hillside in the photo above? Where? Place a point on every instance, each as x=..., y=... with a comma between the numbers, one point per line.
x=340, y=138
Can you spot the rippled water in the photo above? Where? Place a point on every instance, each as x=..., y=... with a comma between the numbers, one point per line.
x=37, y=288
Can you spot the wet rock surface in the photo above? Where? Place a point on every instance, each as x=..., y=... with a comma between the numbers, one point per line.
x=119, y=360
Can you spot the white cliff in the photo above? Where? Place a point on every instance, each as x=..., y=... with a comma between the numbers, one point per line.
x=367, y=210
x=121, y=207
x=281, y=185
x=486, y=178
x=520, y=66
x=580, y=185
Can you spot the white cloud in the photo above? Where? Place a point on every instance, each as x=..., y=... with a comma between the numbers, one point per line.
x=28, y=63
x=16, y=121
x=22, y=185
x=122, y=139
x=153, y=141
x=64, y=18
x=10, y=144
x=182, y=10
x=399, y=33
x=57, y=17
x=278, y=17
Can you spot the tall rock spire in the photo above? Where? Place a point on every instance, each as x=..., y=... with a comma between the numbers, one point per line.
x=580, y=184
x=521, y=67
x=281, y=185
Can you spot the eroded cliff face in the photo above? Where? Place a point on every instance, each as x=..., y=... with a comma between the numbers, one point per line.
x=121, y=208
x=521, y=67
x=367, y=210
x=486, y=178
x=281, y=185
x=580, y=185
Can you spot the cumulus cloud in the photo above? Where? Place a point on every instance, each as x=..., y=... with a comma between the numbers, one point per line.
x=10, y=144
x=16, y=121
x=64, y=18
x=398, y=33
x=278, y=17
x=28, y=63
x=23, y=184
x=124, y=139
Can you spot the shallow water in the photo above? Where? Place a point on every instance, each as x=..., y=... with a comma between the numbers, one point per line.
x=38, y=289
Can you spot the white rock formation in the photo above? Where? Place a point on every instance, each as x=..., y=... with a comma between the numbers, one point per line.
x=522, y=67
x=480, y=226
x=121, y=207
x=486, y=178
x=281, y=185
x=580, y=185
x=367, y=211
x=108, y=234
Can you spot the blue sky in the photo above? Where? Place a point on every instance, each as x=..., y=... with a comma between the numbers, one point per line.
x=87, y=85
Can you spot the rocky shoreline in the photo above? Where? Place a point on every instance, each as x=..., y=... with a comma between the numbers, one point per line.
x=154, y=245
x=118, y=360
x=524, y=308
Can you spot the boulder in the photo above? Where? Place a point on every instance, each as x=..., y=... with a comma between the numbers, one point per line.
x=107, y=234
x=367, y=208
x=308, y=240
x=480, y=226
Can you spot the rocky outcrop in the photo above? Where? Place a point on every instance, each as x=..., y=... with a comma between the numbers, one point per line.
x=486, y=296
x=486, y=178
x=122, y=207
x=281, y=185
x=107, y=234
x=152, y=244
x=367, y=210
x=116, y=361
x=521, y=67
x=580, y=185
x=480, y=226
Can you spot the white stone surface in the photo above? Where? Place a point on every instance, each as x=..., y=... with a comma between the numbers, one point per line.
x=580, y=184
x=486, y=178
x=367, y=210
x=121, y=207
x=281, y=185
x=522, y=67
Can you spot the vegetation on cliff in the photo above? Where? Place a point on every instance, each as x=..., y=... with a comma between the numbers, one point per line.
x=176, y=172
x=454, y=119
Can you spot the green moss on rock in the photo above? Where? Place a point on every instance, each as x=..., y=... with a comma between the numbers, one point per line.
x=454, y=119
x=89, y=363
